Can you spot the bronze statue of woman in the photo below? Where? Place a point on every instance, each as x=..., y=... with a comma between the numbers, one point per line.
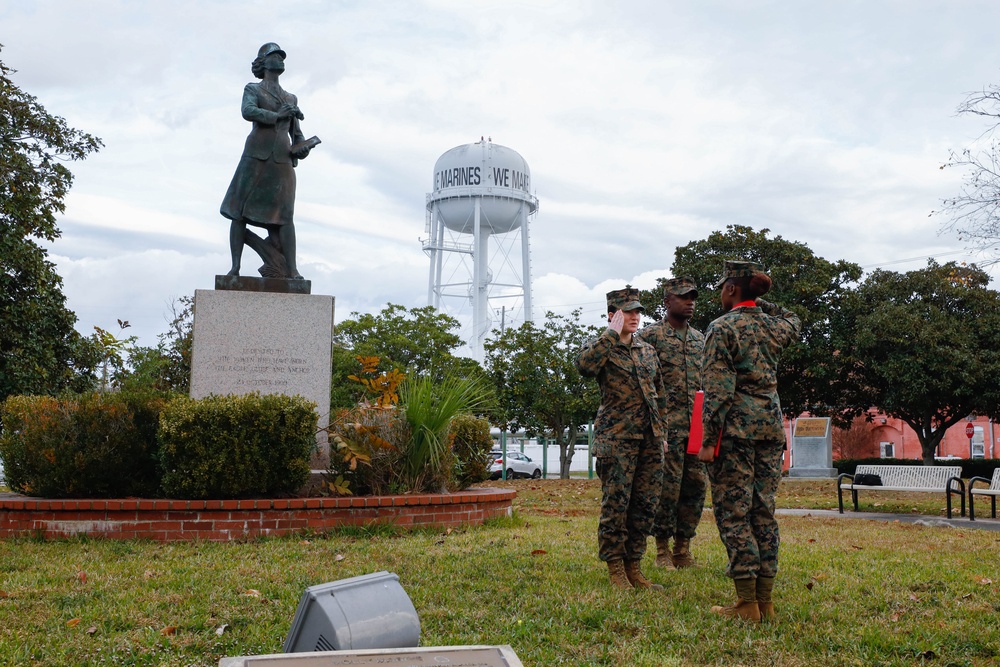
x=262, y=192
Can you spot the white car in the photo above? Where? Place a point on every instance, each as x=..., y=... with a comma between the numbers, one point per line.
x=518, y=465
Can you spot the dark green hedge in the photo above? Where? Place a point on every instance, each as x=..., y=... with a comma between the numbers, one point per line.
x=236, y=446
x=970, y=467
x=87, y=446
x=470, y=443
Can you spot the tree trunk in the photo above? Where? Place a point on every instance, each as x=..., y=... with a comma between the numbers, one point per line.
x=929, y=443
x=565, y=457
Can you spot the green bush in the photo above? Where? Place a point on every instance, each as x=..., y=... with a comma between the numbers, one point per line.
x=970, y=467
x=471, y=444
x=88, y=446
x=236, y=446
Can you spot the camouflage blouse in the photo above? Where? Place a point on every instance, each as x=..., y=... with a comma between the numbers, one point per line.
x=740, y=372
x=631, y=388
x=680, y=356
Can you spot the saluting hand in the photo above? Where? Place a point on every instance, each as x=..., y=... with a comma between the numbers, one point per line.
x=617, y=322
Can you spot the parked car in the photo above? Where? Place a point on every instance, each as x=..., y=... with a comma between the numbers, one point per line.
x=518, y=465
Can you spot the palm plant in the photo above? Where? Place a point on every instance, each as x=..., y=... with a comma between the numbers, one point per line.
x=428, y=407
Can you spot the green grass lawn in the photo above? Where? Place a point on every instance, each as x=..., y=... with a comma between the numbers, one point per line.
x=849, y=592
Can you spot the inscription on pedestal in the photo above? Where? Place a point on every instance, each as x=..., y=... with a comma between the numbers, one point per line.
x=270, y=368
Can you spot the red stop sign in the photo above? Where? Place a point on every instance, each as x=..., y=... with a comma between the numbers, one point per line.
x=970, y=431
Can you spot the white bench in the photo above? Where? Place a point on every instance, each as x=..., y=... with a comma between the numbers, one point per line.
x=933, y=479
x=993, y=490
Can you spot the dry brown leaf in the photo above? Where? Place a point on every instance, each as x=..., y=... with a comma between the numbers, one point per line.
x=539, y=552
x=986, y=582
x=222, y=628
x=448, y=532
x=810, y=585
x=92, y=630
x=967, y=596
x=811, y=540
x=894, y=618
x=913, y=596
x=148, y=574
x=73, y=622
x=252, y=593
x=338, y=557
x=4, y=594
x=855, y=546
x=169, y=631
x=82, y=576
x=305, y=542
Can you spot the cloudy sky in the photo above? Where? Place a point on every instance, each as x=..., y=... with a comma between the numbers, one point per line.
x=646, y=125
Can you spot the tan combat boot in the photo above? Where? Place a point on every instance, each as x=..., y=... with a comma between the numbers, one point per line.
x=764, y=587
x=682, y=553
x=746, y=602
x=663, y=557
x=619, y=579
x=637, y=578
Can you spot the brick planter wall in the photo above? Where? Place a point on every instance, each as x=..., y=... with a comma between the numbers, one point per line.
x=224, y=520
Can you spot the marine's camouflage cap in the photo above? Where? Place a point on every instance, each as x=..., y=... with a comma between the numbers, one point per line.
x=680, y=287
x=738, y=269
x=624, y=299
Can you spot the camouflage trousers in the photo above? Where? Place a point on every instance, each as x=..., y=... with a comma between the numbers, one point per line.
x=630, y=486
x=682, y=499
x=745, y=477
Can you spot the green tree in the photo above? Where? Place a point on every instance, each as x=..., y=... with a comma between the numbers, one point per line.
x=809, y=285
x=39, y=349
x=922, y=346
x=417, y=341
x=167, y=366
x=537, y=384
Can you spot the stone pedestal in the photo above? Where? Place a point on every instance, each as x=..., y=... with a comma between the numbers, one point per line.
x=267, y=342
x=812, y=448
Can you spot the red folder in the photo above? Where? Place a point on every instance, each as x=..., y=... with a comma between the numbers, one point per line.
x=697, y=432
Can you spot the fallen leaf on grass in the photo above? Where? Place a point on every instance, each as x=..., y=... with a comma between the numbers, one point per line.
x=92, y=630
x=305, y=542
x=73, y=622
x=985, y=582
x=148, y=574
x=811, y=540
x=222, y=628
x=4, y=594
x=169, y=631
x=338, y=558
x=539, y=552
x=967, y=596
x=928, y=655
x=252, y=593
x=855, y=546
x=913, y=596
x=82, y=576
x=810, y=585
x=894, y=618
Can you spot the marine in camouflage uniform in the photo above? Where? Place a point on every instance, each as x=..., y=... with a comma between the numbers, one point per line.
x=742, y=348
x=628, y=437
x=679, y=348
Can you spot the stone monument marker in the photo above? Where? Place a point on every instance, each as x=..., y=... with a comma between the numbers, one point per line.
x=266, y=334
x=812, y=448
x=453, y=656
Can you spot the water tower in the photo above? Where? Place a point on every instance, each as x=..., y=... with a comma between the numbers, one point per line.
x=481, y=190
